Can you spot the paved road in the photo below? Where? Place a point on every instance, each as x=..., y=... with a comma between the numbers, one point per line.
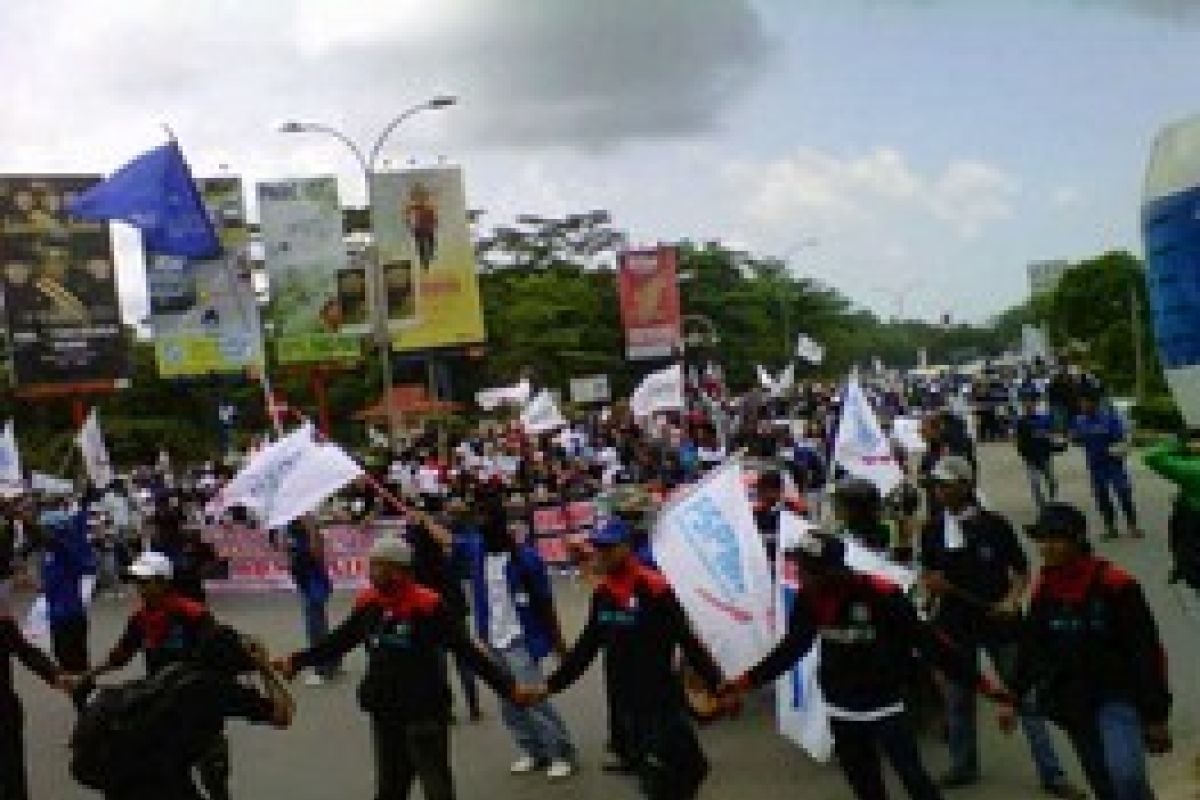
x=326, y=754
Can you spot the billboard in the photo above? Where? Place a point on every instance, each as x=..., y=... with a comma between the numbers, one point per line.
x=60, y=287
x=204, y=313
x=426, y=258
x=649, y=291
x=318, y=308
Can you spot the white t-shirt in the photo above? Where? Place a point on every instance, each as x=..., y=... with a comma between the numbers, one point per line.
x=503, y=625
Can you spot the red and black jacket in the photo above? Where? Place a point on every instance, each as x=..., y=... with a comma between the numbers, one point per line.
x=166, y=633
x=407, y=631
x=638, y=623
x=1089, y=639
x=870, y=638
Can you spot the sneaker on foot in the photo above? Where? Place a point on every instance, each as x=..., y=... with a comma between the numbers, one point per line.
x=524, y=765
x=560, y=768
x=1109, y=533
x=313, y=679
x=1137, y=532
x=1066, y=790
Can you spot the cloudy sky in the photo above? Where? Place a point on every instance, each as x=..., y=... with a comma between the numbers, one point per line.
x=931, y=148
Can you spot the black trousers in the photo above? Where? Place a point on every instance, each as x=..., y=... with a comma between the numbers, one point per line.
x=13, y=782
x=859, y=745
x=408, y=750
x=670, y=763
x=69, y=643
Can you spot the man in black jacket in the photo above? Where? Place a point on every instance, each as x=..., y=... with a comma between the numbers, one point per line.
x=1091, y=660
x=407, y=630
x=976, y=571
x=1037, y=444
x=638, y=623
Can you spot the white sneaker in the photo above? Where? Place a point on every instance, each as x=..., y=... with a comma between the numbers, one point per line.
x=313, y=679
x=523, y=765
x=560, y=768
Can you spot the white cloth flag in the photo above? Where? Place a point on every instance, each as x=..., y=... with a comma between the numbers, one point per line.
x=288, y=478
x=48, y=484
x=802, y=714
x=906, y=431
x=860, y=447
x=709, y=549
x=490, y=399
x=659, y=391
x=809, y=350
x=95, y=454
x=776, y=387
x=541, y=414
x=11, y=480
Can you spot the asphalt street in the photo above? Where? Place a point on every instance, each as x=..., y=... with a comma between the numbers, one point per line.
x=326, y=754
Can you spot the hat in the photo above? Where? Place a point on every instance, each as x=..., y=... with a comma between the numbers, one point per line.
x=611, y=532
x=151, y=565
x=391, y=549
x=1059, y=521
x=953, y=469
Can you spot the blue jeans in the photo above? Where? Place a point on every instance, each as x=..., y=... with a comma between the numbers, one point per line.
x=964, y=743
x=1041, y=482
x=539, y=730
x=1113, y=478
x=1112, y=753
x=316, y=627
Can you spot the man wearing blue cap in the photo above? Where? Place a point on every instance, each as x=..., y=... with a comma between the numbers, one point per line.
x=637, y=621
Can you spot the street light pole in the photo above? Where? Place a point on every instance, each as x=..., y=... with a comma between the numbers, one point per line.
x=367, y=163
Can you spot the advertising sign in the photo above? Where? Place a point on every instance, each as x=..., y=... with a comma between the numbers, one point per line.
x=649, y=291
x=427, y=259
x=204, y=313
x=318, y=302
x=59, y=281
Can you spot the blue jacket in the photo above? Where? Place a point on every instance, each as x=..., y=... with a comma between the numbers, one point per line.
x=66, y=558
x=528, y=586
x=1097, y=434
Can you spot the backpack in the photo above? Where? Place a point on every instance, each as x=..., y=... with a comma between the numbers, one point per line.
x=126, y=730
x=1183, y=541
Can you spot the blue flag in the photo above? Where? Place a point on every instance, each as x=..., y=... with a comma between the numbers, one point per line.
x=155, y=193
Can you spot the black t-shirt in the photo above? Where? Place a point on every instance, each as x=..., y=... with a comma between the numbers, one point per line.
x=8, y=548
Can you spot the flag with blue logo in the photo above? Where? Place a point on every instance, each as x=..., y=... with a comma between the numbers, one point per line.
x=154, y=193
x=861, y=448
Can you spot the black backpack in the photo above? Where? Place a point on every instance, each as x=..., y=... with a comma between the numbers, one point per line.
x=1183, y=540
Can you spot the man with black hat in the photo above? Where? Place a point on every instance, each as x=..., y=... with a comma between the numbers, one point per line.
x=1103, y=438
x=977, y=573
x=407, y=629
x=637, y=621
x=869, y=635
x=858, y=508
x=1091, y=659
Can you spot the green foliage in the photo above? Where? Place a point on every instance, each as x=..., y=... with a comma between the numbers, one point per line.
x=1158, y=413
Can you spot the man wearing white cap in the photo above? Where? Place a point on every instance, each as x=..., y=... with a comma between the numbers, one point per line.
x=406, y=629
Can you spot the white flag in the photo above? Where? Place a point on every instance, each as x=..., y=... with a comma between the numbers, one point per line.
x=764, y=378
x=906, y=431
x=659, y=391
x=490, y=399
x=809, y=350
x=288, y=478
x=710, y=550
x=95, y=454
x=860, y=447
x=541, y=414
x=48, y=484
x=11, y=480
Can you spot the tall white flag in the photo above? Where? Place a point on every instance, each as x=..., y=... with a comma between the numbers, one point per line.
x=541, y=414
x=777, y=387
x=95, y=454
x=709, y=549
x=809, y=350
x=659, y=391
x=11, y=480
x=490, y=399
x=860, y=447
x=288, y=478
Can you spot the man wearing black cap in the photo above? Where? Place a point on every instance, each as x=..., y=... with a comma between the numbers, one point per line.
x=1103, y=438
x=977, y=573
x=869, y=635
x=637, y=621
x=1091, y=659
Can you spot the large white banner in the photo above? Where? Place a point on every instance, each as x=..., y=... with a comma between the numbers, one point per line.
x=800, y=706
x=95, y=454
x=809, y=350
x=659, y=391
x=11, y=480
x=288, y=478
x=860, y=447
x=708, y=547
x=541, y=414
